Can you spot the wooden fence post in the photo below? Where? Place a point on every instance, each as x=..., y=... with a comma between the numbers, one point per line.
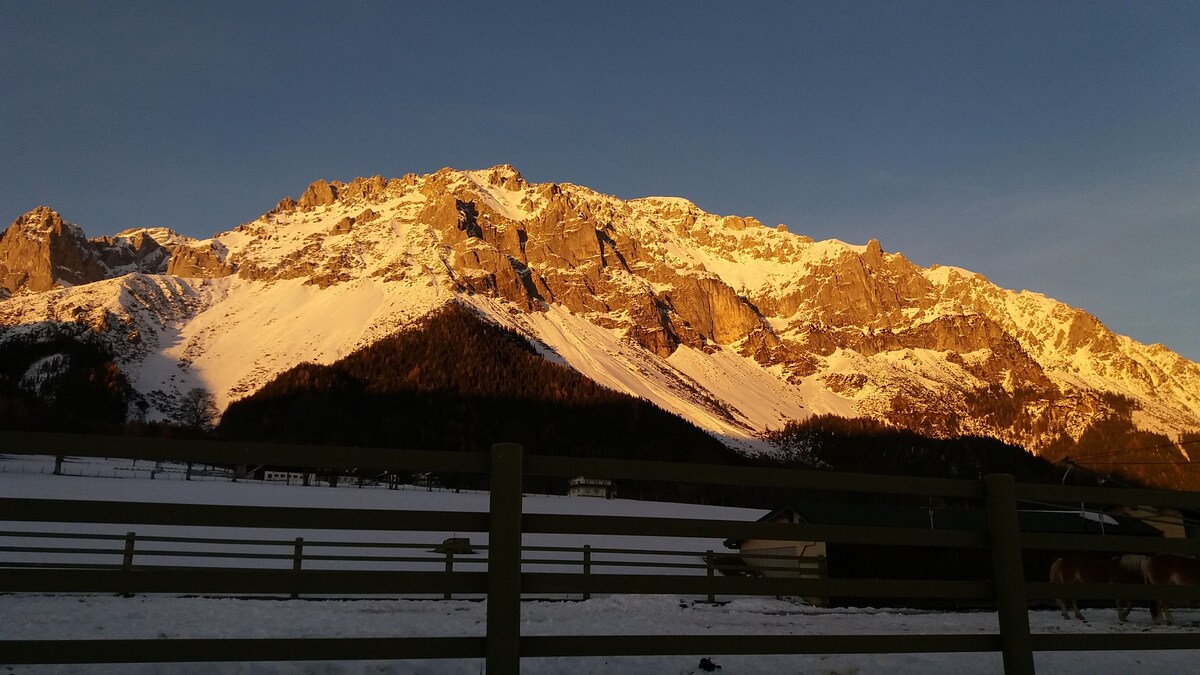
x=127, y=563
x=297, y=561
x=1012, y=606
x=587, y=571
x=504, y=562
x=708, y=564
x=449, y=571
x=127, y=559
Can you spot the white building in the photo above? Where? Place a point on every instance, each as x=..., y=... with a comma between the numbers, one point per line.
x=591, y=487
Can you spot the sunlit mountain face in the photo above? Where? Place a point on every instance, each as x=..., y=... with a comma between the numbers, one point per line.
x=737, y=327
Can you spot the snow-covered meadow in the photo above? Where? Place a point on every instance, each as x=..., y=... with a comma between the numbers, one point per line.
x=38, y=616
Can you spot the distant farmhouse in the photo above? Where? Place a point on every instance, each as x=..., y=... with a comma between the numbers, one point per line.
x=591, y=487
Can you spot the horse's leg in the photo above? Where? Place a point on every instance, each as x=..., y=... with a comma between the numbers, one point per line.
x=1123, y=609
x=1056, y=577
x=1161, y=611
x=1062, y=607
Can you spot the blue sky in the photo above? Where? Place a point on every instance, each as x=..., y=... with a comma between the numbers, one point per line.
x=1053, y=146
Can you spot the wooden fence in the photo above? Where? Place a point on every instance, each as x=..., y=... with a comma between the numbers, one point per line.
x=131, y=552
x=511, y=573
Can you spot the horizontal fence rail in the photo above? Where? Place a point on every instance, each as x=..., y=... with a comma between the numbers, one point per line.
x=183, y=650
x=505, y=569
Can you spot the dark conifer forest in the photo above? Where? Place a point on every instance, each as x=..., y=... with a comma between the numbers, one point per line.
x=863, y=445
x=76, y=386
x=458, y=383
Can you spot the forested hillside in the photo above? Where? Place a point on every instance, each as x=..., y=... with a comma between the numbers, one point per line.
x=1114, y=446
x=1110, y=449
x=867, y=446
x=456, y=382
x=60, y=383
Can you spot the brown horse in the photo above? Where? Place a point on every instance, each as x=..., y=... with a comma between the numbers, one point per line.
x=1127, y=569
x=1083, y=570
x=1169, y=569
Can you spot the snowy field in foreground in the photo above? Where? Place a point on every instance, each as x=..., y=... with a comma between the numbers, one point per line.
x=109, y=617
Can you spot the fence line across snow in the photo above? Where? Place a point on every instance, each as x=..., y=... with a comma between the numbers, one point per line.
x=508, y=574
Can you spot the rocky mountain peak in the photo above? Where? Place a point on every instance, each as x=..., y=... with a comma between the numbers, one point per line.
x=738, y=326
x=361, y=190
x=505, y=176
x=39, y=219
x=40, y=250
x=319, y=193
x=285, y=205
x=873, y=256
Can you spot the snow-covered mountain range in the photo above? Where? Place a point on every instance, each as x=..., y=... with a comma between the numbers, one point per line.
x=735, y=326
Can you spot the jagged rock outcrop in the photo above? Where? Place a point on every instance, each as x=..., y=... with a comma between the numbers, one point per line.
x=320, y=193
x=360, y=190
x=205, y=260
x=285, y=205
x=135, y=251
x=40, y=251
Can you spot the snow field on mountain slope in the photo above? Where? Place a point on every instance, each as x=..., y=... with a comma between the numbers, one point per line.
x=758, y=398
x=600, y=355
x=259, y=330
x=762, y=398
